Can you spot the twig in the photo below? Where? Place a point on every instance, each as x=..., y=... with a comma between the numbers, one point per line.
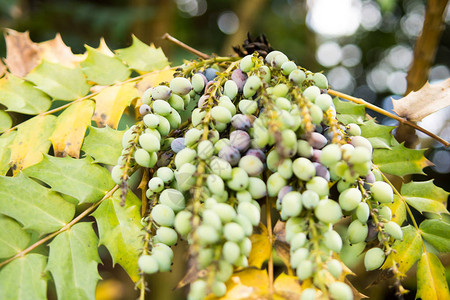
x=66, y=227
x=388, y=114
x=200, y=54
x=270, y=233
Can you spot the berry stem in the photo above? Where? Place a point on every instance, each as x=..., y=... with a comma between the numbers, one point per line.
x=388, y=114
x=64, y=228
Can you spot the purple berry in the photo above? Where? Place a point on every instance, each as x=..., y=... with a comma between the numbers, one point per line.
x=210, y=74
x=258, y=153
x=240, y=140
x=230, y=154
x=322, y=171
x=239, y=78
x=317, y=140
x=241, y=122
x=177, y=145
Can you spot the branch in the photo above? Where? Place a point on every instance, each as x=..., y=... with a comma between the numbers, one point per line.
x=66, y=227
x=388, y=114
x=200, y=54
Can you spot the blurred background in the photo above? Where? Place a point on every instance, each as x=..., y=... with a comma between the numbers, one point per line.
x=365, y=47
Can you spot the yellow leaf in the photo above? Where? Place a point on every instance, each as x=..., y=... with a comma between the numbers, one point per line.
x=248, y=284
x=31, y=141
x=261, y=247
x=287, y=287
x=398, y=209
x=103, y=48
x=70, y=129
x=431, y=282
x=154, y=78
x=58, y=52
x=111, y=102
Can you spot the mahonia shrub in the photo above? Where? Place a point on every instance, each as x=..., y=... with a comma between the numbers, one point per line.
x=242, y=157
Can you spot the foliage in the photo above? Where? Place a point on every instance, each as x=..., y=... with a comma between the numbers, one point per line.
x=45, y=185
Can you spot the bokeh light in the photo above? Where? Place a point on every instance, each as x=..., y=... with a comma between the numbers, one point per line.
x=228, y=22
x=329, y=54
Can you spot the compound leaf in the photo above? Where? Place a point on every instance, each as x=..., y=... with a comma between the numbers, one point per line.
x=21, y=96
x=349, y=112
x=70, y=128
x=33, y=205
x=400, y=160
x=5, y=151
x=425, y=196
x=58, y=81
x=24, y=278
x=79, y=178
x=13, y=238
x=119, y=228
x=73, y=261
x=31, y=141
x=378, y=135
x=111, y=102
x=103, y=69
x=437, y=233
x=142, y=57
x=407, y=251
x=431, y=282
x=104, y=144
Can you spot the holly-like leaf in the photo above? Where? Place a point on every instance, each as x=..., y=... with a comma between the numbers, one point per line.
x=21, y=96
x=349, y=112
x=22, y=55
x=378, y=135
x=73, y=261
x=13, y=238
x=261, y=247
x=79, y=178
x=103, y=69
x=119, y=228
x=154, y=78
x=33, y=205
x=407, y=251
x=31, y=141
x=56, y=51
x=400, y=160
x=431, y=282
x=111, y=102
x=70, y=128
x=437, y=233
x=142, y=57
x=24, y=278
x=104, y=144
x=248, y=284
x=58, y=81
x=5, y=121
x=425, y=196
x=430, y=98
x=287, y=287
x=398, y=209
x=5, y=152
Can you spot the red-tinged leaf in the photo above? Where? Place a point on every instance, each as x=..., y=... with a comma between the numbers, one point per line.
x=430, y=98
x=58, y=52
x=22, y=55
x=261, y=247
x=431, y=282
x=111, y=102
x=70, y=129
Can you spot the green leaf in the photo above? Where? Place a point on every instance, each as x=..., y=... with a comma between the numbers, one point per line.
x=398, y=208
x=58, y=81
x=33, y=205
x=21, y=96
x=437, y=233
x=407, y=251
x=379, y=135
x=400, y=160
x=104, y=144
x=349, y=112
x=425, y=196
x=5, y=152
x=73, y=261
x=24, y=278
x=5, y=121
x=142, y=57
x=431, y=282
x=13, y=238
x=31, y=141
x=103, y=69
x=79, y=178
x=119, y=228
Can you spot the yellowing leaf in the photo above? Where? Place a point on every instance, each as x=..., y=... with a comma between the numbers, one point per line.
x=58, y=52
x=103, y=48
x=407, y=251
x=287, y=287
x=22, y=55
x=398, y=209
x=111, y=102
x=261, y=247
x=430, y=98
x=5, y=121
x=70, y=128
x=248, y=284
x=431, y=282
x=425, y=196
x=142, y=57
x=154, y=78
x=5, y=151
x=31, y=141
